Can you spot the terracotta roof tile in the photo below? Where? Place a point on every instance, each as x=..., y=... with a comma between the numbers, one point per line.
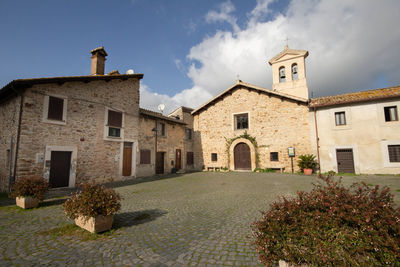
x=355, y=97
x=159, y=115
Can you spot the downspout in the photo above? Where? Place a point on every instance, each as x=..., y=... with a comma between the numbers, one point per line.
x=317, y=139
x=18, y=132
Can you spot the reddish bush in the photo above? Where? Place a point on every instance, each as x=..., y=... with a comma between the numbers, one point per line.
x=92, y=200
x=30, y=187
x=331, y=225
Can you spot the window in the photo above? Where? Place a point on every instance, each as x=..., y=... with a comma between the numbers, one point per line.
x=340, y=118
x=273, y=156
x=145, y=156
x=114, y=123
x=394, y=153
x=294, y=72
x=55, y=109
x=161, y=129
x=214, y=157
x=282, y=75
x=189, y=158
x=188, y=134
x=391, y=113
x=241, y=121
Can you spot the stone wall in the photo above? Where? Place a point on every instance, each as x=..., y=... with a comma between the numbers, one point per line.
x=97, y=159
x=9, y=116
x=276, y=123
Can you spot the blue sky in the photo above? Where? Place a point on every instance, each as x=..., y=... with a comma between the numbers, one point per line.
x=191, y=50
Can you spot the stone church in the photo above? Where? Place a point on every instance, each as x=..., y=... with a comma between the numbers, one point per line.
x=74, y=129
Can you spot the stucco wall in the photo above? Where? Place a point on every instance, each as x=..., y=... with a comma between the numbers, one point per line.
x=276, y=123
x=97, y=159
x=366, y=132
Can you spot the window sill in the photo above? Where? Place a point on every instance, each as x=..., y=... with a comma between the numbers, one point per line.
x=54, y=122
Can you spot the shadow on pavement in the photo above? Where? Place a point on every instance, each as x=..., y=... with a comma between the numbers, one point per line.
x=127, y=219
x=52, y=202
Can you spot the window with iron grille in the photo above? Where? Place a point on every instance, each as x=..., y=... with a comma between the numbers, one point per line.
x=394, y=153
x=56, y=108
x=214, y=157
x=114, y=123
x=241, y=121
x=189, y=158
x=391, y=113
x=340, y=118
x=145, y=156
x=273, y=156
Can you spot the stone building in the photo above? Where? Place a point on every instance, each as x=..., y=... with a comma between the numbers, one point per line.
x=70, y=129
x=247, y=127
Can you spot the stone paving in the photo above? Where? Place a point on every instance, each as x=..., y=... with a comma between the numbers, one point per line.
x=197, y=219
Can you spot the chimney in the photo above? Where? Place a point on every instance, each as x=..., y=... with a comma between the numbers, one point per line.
x=98, y=61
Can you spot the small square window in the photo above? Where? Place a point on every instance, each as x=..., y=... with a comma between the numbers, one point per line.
x=214, y=157
x=394, y=153
x=241, y=121
x=340, y=118
x=391, y=113
x=145, y=156
x=274, y=156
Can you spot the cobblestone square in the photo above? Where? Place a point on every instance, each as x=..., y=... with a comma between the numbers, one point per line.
x=196, y=219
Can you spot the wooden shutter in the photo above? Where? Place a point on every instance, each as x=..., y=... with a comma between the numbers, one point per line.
x=189, y=158
x=114, y=119
x=394, y=153
x=144, y=156
x=56, y=107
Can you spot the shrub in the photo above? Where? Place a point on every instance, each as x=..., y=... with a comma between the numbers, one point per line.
x=92, y=200
x=307, y=161
x=331, y=225
x=264, y=170
x=30, y=187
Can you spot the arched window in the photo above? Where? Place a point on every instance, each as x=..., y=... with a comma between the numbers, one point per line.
x=295, y=76
x=282, y=75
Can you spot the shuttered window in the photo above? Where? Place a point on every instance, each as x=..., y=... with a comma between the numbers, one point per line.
x=394, y=153
x=189, y=158
x=56, y=107
x=391, y=113
x=145, y=156
x=114, y=119
x=340, y=118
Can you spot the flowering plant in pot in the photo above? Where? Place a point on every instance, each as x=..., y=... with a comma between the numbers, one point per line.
x=307, y=163
x=29, y=191
x=93, y=207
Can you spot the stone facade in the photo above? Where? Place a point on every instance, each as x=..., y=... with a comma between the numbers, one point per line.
x=275, y=121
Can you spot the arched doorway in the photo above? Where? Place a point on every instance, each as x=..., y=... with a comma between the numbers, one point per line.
x=242, y=157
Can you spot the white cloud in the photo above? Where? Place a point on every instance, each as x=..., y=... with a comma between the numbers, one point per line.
x=351, y=45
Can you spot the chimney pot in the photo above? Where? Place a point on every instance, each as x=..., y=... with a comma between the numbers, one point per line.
x=98, y=61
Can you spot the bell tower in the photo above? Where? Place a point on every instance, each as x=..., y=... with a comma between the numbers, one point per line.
x=289, y=72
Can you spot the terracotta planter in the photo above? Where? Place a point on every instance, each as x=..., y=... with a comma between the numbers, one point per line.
x=96, y=224
x=27, y=202
x=307, y=171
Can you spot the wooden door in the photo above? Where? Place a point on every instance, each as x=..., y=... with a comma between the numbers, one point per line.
x=178, y=159
x=60, y=164
x=160, y=163
x=242, y=157
x=345, y=160
x=127, y=159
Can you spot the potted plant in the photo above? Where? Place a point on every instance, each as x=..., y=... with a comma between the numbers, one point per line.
x=307, y=163
x=332, y=225
x=93, y=207
x=29, y=191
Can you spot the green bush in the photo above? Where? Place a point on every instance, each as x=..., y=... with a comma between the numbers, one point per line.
x=307, y=161
x=264, y=170
x=92, y=200
x=30, y=187
x=331, y=225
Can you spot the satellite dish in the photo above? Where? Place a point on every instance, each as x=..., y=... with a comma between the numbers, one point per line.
x=130, y=71
x=161, y=107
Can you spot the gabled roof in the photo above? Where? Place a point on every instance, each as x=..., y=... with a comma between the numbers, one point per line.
x=184, y=109
x=288, y=51
x=363, y=96
x=14, y=85
x=157, y=115
x=248, y=86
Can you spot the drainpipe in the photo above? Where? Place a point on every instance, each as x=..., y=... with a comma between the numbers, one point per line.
x=155, y=130
x=18, y=132
x=317, y=139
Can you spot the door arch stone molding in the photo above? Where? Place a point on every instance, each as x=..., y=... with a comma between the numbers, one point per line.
x=232, y=156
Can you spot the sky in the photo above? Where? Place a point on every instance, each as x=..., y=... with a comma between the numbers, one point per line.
x=190, y=51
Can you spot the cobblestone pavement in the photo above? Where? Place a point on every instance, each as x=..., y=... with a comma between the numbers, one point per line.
x=197, y=219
